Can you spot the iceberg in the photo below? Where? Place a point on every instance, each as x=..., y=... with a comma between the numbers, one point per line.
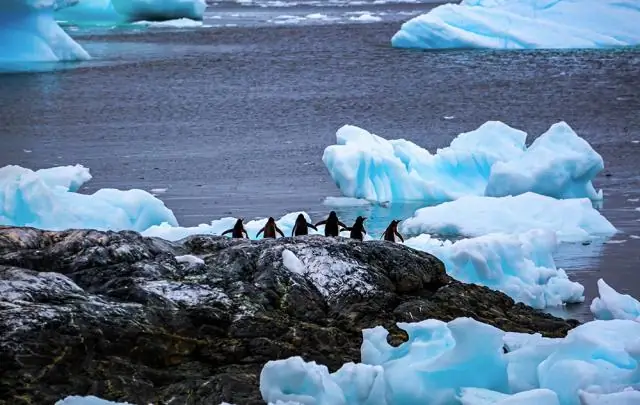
x=520, y=265
x=47, y=199
x=524, y=24
x=573, y=220
x=613, y=305
x=126, y=11
x=29, y=33
x=492, y=160
x=464, y=362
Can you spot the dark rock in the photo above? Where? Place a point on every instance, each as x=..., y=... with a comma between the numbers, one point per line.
x=117, y=316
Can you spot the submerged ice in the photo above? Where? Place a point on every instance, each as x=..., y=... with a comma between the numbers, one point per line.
x=464, y=362
x=122, y=11
x=29, y=33
x=492, y=160
x=524, y=24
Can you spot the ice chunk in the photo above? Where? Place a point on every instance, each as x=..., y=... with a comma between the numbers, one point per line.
x=613, y=305
x=189, y=259
x=492, y=158
x=291, y=262
x=28, y=33
x=44, y=200
x=519, y=265
x=572, y=220
x=559, y=164
x=345, y=202
x=524, y=24
x=479, y=396
x=629, y=397
x=120, y=11
x=89, y=400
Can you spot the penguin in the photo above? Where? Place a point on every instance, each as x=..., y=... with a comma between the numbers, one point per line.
x=237, y=231
x=302, y=226
x=331, y=225
x=270, y=229
x=357, y=230
x=392, y=231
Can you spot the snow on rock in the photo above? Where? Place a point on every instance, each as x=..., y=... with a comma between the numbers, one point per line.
x=190, y=259
x=187, y=294
x=122, y=11
x=524, y=24
x=291, y=262
x=46, y=199
x=572, y=220
x=613, y=305
x=29, y=33
x=88, y=400
x=463, y=361
x=491, y=160
x=520, y=265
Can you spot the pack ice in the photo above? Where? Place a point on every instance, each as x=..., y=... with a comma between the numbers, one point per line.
x=122, y=11
x=464, y=362
x=492, y=160
x=29, y=33
x=572, y=220
x=524, y=24
x=47, y=199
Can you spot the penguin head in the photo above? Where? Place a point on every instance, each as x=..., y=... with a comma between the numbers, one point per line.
x=395, y=222
x=361, y=219
x=270, y=220
x=300, y=218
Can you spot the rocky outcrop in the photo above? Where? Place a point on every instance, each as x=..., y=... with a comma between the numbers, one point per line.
x=130, y=318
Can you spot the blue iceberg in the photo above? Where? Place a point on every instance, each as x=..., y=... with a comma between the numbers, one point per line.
x=572, y=220
x=29, y=33
x=88, y=12
x=524, y=24
x=613, y=305
x=492, y=160
x=463, y=362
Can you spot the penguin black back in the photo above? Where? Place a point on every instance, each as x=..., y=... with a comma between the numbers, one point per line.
x=302, y=226
x=331, y=225
x=357, y=230
x=238, y=230
x=270, y=229
x=392, y=231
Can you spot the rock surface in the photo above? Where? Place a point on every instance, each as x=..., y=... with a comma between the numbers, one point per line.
x=118, y=316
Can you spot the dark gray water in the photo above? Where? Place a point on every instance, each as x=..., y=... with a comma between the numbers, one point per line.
x=234, y=121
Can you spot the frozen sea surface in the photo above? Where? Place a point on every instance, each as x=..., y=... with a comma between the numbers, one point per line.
x=233, y=121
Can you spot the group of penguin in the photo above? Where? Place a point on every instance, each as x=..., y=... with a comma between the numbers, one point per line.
x=332, y=227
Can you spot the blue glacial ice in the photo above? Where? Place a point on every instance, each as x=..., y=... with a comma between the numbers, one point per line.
x=47, y=199
x=572, y=220
x=520, y=265
x=29, y=33
x=613, y=305
x=89, y=12
x=524, y=24
x=463, y=362
x=492, y=160
x=88, y=400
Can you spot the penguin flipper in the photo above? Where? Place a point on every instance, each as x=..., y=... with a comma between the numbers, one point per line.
x=259, y=232
x=279, y=231
x=324, y=221
x=293, y=231
x=341, y=224
x=226, y=232
x=400, y=236
x=312, y=226
x=245, y=233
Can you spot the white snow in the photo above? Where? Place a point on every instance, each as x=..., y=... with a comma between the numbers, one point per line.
x=613, y=305
x=520, y=265
x=572, y=220
x=122, y=11
x=189, y=259
x=28, y=33
x=189, y=294
x=45, y=199
x=524, y=24
x=491, y=160
x=462, y=362
x=291, y=262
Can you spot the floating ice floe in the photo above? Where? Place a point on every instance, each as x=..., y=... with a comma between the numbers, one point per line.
x=572, y=220
x=492, y=160
x=519, y=265
x=613, y=305
x=123, y=11
x=29, y=33
x=463, y=362
x=46, y=199
x=524, y=24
